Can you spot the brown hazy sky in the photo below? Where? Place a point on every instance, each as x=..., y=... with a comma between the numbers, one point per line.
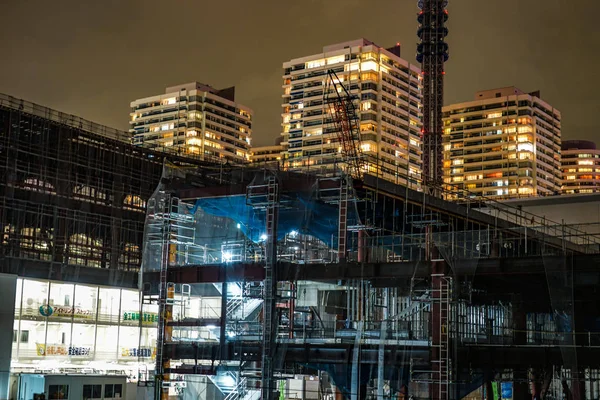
x=92, y=57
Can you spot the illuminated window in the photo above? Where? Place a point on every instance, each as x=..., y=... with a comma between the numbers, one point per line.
x=286, y=118
x=215, y=145
x=525, y=156
x=525, y=147
x=369, y=66
x=191, y=133
x=194, y=141
x=168, y=144
x=315, y=63
x=352, y=67
x=84, y=250
x=495, y=115
x=134, y=201
x=166, y=127
x=524, y=129
x=193, y=150
x=87, y=193
x=336, y=59
x=171, y=100
x=457, y=179
x=192, y=115
x=458, y=161
x=525, y=138
x=369, y=76
x=38, y=185
x=367, y=147
x=366, y=106
x=585, y=162
x=525, y=190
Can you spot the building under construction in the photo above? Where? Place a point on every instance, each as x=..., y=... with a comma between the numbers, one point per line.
x=73, y=198
x=273, y=284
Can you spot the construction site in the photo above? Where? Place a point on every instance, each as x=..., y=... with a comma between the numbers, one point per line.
x=277, y=284
x=271, y=283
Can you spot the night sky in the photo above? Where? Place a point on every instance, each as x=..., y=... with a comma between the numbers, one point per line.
x=92, y=57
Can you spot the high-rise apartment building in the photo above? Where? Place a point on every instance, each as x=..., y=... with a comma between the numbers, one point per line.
x=580, y=164
x=194, y=119
x=505, y=143
x=387, y=92
x=266, y=154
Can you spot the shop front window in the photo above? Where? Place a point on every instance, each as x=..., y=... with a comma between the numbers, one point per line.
x=58, y=340
x=86, y=298
x=130, y=307
x=60, y=306
x=129, y=342
x=82, y=342
x=109, y=301
x=35, y=299
x=106, y=342
x=35, y=334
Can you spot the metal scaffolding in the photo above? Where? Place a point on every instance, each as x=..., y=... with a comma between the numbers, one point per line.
x=269, y=305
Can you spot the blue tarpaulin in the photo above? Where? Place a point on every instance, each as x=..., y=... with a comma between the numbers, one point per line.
x=301, y=215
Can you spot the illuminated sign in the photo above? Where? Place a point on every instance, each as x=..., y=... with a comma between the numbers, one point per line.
x=61, y=350
x=65, y=312
x=138, y=352
x=147, y=318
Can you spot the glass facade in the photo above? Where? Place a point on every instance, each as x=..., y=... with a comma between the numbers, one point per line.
x=81, y=327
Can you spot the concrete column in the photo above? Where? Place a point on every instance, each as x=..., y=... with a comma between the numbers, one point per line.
x=8, y=288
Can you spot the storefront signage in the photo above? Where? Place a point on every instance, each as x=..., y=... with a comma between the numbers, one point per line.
x=138, y=352
x=65, y=312
x=61, y=350
x=147, y=318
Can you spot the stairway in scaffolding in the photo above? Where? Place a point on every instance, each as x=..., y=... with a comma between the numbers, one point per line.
x=240, y=305
x=233, y=387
